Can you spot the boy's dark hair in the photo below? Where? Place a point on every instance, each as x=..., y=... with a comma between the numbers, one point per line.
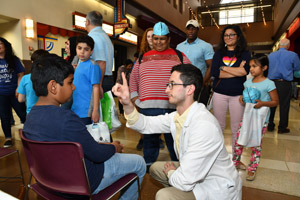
x=262, y=60
x=47, y=68
x=86, y=39
x=38, y=54
x=189, y=74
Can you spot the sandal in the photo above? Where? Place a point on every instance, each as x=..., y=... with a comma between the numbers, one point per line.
x=250, y=176
x=241, y=166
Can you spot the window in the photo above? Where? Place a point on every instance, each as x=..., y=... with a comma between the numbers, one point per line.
x=231, y=1
x=180, y=6
x=236, y=16
x=175, y=3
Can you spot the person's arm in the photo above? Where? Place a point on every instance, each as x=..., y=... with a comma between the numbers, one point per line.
x=235, y=71
x=20, y=75
x=76, y=131
x=274, y=100
x=21, y=91
x=96, y=96
x=21, y=98
x=102, y=65
x=134, y=82
x=206, y=78
x=241, y=100
x=296, y=63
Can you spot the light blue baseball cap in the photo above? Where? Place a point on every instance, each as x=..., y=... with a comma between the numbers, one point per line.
x=160, y=28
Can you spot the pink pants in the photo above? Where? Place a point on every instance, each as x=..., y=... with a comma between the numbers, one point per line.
x=221, y=103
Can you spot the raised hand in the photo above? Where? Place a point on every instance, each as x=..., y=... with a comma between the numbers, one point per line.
x=122, y=91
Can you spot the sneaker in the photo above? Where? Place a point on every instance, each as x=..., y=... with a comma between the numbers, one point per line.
x=241, y=166
x=8, y=143
x=161, y=144
x=140, y=145
x=250, y=176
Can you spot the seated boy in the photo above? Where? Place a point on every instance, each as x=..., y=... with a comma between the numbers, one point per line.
x=87, y=82
x=25, y=90
x=52, y=79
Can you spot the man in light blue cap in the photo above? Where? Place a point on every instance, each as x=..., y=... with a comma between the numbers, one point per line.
x=148, y=81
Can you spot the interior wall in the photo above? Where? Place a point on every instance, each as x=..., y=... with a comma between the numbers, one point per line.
x=11, y=31
x=281, y=9
x=167, y=11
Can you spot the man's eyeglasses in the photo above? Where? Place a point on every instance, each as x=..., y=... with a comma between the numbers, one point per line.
x=230, y=36
x=171, y=85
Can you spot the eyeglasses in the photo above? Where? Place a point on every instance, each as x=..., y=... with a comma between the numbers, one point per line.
x=171, y=85
x=230, y=36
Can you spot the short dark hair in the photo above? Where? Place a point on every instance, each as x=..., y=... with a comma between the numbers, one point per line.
x=262, y=60
x=38, y=54
x=47, y=68
x=95, y=18
x=85, y=39
x=189, y=74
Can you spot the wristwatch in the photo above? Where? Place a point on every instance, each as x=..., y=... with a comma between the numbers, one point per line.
x=221, y=68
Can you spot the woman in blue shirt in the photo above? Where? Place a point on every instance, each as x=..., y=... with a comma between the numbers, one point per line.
x=11, y=72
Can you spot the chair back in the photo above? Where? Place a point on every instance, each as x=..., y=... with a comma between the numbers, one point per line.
x=57, y=166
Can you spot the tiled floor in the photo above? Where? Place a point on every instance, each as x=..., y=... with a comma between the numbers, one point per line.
x=278, y=176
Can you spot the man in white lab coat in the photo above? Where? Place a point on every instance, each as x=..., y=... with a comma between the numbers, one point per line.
x=204, y=170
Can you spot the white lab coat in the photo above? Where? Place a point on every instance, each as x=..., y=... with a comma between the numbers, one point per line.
x=205, y=166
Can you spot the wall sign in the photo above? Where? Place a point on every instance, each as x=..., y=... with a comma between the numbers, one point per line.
x=121, y=21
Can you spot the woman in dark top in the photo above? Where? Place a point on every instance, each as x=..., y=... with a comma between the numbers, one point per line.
x=11, y=72
x=230, y=66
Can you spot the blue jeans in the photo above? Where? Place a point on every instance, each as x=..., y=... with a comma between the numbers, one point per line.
x=118, y=166
x=6, y=103
x=151, y=141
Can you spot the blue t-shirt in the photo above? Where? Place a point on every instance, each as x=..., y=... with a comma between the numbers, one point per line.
x=197, y=52
x=229, y=86
x=25, y=88
x=86, y=75
x=264, y=87
x=51, y=123
x=9, y=80
x=103, y=49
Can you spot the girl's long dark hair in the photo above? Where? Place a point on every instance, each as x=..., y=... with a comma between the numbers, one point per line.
x=241, y=45
x=9, y=57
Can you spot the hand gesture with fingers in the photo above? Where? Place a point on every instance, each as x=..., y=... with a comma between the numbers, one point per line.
x=122, y=91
